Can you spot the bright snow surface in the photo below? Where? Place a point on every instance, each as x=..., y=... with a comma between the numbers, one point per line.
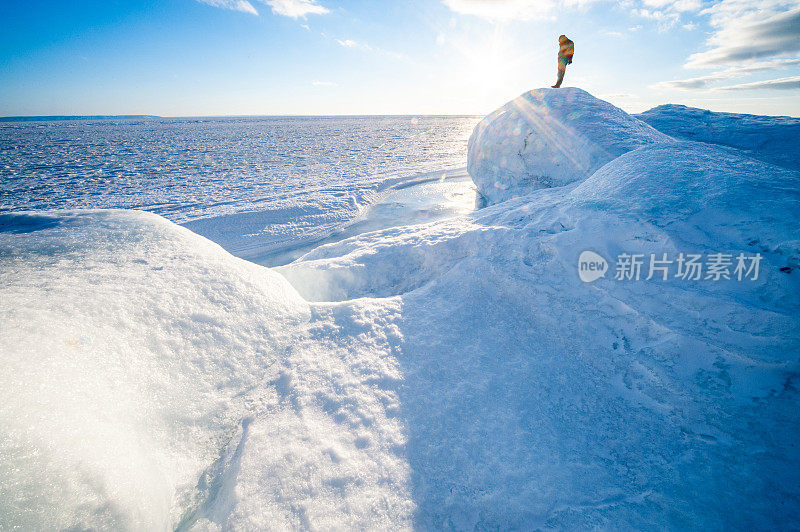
x=770, y=138
x=453, y=374
x=550, y=138
x=255, y=185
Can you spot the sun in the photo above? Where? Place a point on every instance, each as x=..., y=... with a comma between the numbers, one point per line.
x=490, y=68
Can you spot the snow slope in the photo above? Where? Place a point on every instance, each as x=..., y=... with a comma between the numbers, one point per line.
x=143, y=367
x=770, y=138
x=446, y=375
x=549, y=138
x=535, y=400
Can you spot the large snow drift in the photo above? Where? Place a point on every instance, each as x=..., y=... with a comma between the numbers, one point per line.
x=549, y=138
x=534, y=400
x=450, y=375
x=131, y=348
x=773, y=139
x=153, y=381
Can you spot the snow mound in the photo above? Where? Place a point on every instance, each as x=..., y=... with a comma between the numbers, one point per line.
x=152, y=381
x=124, y=336
x=719, y=192
x=549, y=138
x=771, y=138
x=533, y=400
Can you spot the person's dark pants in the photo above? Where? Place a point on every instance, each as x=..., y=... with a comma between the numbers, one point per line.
x=562, y=69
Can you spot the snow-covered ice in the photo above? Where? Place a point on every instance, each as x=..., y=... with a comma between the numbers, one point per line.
x=152, y=380
x=445, y=373
x=550, y=138
x=770, y=138
x=254, y=185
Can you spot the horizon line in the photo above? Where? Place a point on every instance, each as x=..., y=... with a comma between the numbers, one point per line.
x=53, y=118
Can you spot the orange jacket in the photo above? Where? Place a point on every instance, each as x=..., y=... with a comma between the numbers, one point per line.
x=566, y=50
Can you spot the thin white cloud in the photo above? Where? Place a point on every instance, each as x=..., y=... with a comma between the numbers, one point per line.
x=790, y=83
x=323, y=83
x=360, y=45
x=748, y=36
x=349, y=43
x=674, y=5
x=702, y=82
x=296, y=8
x=748, y=31
x=685, y=84
x=237, y=5
x=666, y=13
x=509, y=9
x=286, y=8
x=665, y=19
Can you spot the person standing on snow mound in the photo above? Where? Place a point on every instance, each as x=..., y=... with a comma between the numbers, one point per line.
x=566, y=49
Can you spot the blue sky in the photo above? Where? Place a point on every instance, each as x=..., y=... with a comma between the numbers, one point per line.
x=244, y=57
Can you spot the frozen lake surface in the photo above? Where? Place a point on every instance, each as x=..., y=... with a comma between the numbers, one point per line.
x=411, y=362
x=257, y=185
